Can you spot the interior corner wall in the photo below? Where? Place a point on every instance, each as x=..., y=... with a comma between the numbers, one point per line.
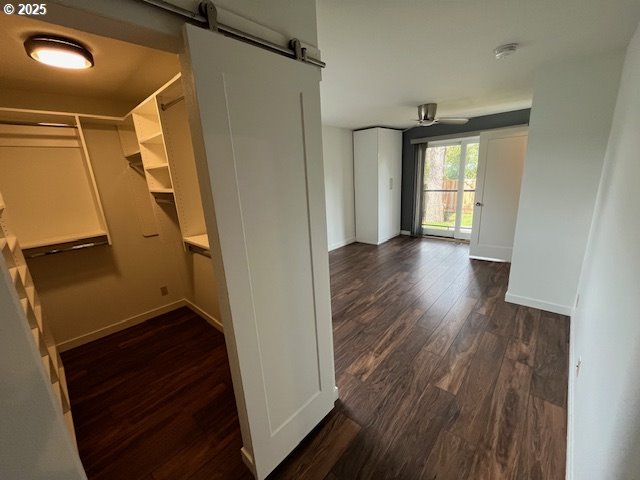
x=202, y=287
x=604, y=427
x=90, y=292
x=476, y=124
x=571, y=116
x=337, y=147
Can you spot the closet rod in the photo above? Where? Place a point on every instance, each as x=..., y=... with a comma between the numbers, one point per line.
x=38, y=124
x=167, y=105
x=70, y=248
x=207, y=18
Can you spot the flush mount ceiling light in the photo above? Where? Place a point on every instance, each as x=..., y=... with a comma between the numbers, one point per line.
x=502, y=51
x=58, y=52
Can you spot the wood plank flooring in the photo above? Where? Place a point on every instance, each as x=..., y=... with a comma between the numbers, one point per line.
x=155, y=402
x=439, y=378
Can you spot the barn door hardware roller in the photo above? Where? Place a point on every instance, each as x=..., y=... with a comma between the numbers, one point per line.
x=209, y=11
x=299, y=51
x=207, y=17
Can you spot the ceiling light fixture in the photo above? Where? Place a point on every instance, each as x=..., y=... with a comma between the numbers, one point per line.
x=502, y=51
x=58, y=52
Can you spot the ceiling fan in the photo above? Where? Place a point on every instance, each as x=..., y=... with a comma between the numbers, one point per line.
x=427, y=116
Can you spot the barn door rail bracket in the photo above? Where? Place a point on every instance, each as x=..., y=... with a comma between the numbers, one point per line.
x=207, y=17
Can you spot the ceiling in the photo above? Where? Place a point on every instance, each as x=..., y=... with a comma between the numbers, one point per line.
x=385, y=57
x=123, y=73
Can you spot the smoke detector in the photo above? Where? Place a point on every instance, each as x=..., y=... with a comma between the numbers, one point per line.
x=502, y=51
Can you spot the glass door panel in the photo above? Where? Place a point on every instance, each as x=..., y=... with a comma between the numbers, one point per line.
x=449, y=184
x=440, y=201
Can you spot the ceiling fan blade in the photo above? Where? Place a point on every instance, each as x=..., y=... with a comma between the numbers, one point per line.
x=452, y=121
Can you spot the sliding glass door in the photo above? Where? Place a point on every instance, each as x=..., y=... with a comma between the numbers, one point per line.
x=449, y=186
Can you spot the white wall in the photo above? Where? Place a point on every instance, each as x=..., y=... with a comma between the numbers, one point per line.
x=337, y=147
x=570, y=119
x=605, y=398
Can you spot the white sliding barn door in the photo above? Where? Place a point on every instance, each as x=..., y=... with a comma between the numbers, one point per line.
x=258, y=143
x=500, y=165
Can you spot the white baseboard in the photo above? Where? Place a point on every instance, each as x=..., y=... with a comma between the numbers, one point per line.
x=336, y=392
x=488, y=259
x=116, y=327
x=342, y=243
x=135, y=320
x=247, y=459
x=540, y=304
x=405, y=233
x=209, y=318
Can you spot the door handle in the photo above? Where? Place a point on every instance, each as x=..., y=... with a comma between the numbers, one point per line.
x=479, y=204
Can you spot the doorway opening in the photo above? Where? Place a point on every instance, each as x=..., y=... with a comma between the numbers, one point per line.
x=449, y=185
x=104, y=236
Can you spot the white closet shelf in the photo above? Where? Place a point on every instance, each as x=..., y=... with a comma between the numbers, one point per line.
x=35, y=333
x=17, y=282
x=7, y=252
x=46, y=364
x=53, y=241
x=13, y=243
x=68, y=419
x=162, y=166
x=201, y=241
x=155, y=137
x=161, y=190
x=31, y=295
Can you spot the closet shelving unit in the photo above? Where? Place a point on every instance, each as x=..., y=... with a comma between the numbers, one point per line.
x=48, y=181
x=32, y=310
x=164, y=142
x=146, y=120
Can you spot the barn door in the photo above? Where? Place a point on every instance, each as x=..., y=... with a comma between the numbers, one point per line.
x=257, y=139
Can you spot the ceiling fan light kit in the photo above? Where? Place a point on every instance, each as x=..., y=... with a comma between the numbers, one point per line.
x=502, y=51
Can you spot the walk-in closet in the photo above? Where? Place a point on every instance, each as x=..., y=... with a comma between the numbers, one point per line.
x=104, y=237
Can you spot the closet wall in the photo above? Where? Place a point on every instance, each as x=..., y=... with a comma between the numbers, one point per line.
x=92, y=292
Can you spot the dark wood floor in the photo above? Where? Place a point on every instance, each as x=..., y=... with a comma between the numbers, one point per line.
x=439, y=378
x=155, y=402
